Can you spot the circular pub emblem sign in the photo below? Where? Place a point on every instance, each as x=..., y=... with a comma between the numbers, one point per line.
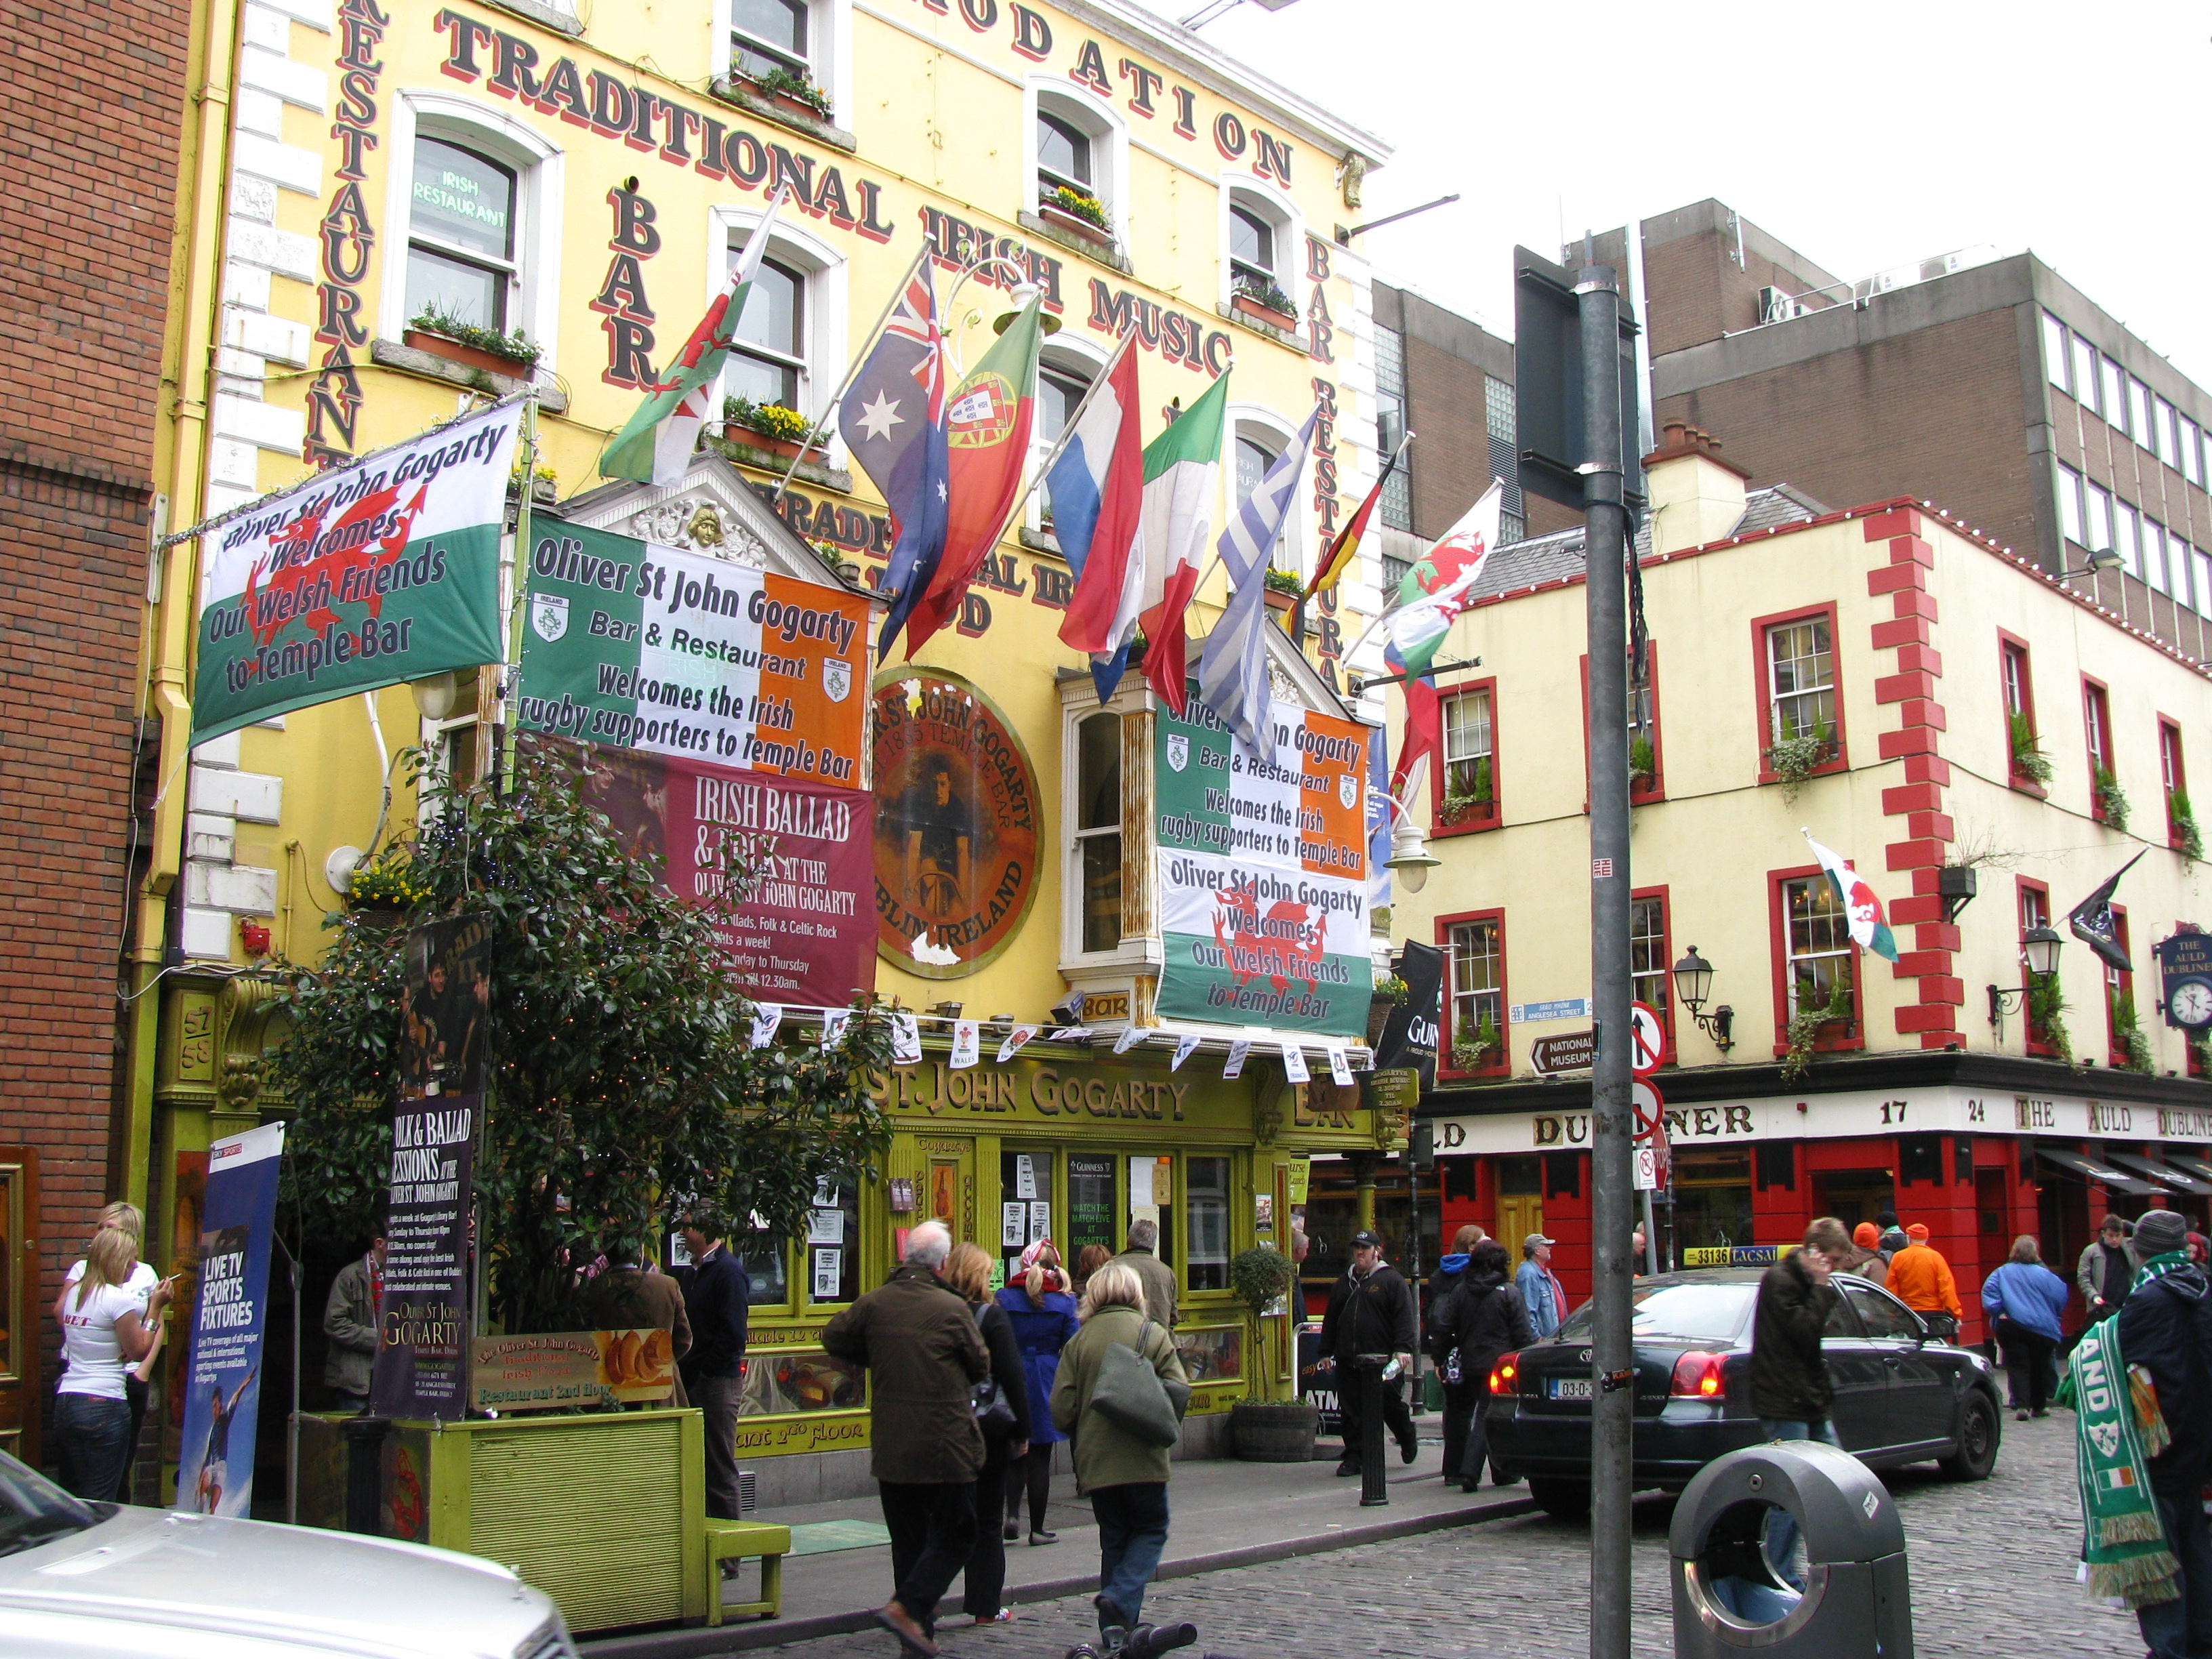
x=956, y=825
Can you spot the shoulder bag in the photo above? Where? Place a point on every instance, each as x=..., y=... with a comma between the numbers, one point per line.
x=1130, y=1393
x=995, y=1413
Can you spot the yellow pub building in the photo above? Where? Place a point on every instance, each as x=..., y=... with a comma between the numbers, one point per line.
x=395, y=209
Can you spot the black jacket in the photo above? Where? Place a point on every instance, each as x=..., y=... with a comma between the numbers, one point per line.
x=1483, y=1318
x=1789, y=1377
x=2165, y=1327
x=1441, y=1285
x=1006, y=1363
x=716, y=1302
x=1374, y=1315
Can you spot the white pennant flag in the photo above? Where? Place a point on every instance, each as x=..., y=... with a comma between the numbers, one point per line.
x=906, y=1039
x=1340, y=1067
x=964, y=1043
x=1186, y=1045
x=1016, y=1040
x=767, y=1017
x=1294, y=1063
x=1069, y=1034
x=1130, y=1038
x=834, y=1022
x=1234, y=1065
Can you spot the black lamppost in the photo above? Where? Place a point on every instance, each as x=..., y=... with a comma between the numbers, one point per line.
x=1693, y=983
x=2040, y=947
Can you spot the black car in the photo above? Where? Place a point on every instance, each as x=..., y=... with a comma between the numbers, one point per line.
x=1902, y=1396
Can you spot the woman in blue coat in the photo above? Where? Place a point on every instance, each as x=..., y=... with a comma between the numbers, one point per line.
x=2024, y=1301
x=1043, y=1317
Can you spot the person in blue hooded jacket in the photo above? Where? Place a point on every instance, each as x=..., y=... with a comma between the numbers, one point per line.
x=1042, y=1313
x=2024, y=1302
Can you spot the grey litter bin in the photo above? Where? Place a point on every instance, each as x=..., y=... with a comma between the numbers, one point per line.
x=1742, y=1587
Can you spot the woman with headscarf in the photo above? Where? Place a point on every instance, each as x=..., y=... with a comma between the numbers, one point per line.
x=1041, y=1311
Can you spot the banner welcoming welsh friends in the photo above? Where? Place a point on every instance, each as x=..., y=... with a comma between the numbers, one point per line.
x=643, y=646
x=1263, y=872
x=377, y=572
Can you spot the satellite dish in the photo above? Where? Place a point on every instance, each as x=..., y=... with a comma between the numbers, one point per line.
x=338, y=868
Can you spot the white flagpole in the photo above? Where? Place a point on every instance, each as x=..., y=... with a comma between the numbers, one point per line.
x=852, y=373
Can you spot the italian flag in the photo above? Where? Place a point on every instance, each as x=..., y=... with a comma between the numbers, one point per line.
x=1173, y=526
x=656, y=444
x=1869, y=926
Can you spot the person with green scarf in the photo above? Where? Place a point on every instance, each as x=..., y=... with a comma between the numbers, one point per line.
x=2141, y=1385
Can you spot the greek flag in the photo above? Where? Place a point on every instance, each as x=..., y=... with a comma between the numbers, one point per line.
x=1232, y=673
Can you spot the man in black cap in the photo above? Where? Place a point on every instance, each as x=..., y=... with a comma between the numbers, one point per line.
x=1370, y=1311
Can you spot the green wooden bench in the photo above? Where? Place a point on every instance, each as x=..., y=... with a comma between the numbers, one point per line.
x=742, y=1540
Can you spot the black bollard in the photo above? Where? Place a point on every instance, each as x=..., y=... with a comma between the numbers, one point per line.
x=364, y=1487
x=1371, y=1489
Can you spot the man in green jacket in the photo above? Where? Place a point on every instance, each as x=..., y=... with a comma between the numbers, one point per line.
x=1154, y=1274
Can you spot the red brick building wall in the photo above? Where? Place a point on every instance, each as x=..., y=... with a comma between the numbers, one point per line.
x=89, y=118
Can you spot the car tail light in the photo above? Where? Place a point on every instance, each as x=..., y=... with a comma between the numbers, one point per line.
x=1698, y=1376
x=1505, y=1375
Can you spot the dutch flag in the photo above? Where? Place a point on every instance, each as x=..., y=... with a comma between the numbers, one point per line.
x=1097, y=486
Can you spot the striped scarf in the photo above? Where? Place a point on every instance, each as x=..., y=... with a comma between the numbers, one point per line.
x=2118, y=1429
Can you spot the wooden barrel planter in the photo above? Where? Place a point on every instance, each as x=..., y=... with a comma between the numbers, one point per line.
x=1273, y=1430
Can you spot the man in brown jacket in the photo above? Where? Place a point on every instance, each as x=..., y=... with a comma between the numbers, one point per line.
x=624, y=1296
x=1154, y=1274
x=920, y=1339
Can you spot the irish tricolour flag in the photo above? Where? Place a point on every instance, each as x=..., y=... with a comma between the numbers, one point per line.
x=1181, y=467
x=1869, y=926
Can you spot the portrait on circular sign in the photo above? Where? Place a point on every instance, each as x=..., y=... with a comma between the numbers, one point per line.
x=956, y=825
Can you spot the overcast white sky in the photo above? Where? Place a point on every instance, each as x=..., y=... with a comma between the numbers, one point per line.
x=1863, y=137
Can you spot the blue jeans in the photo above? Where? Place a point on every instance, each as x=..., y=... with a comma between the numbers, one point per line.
x=2183, y=1629
x=1133, y=1531
x=92, y=1444
x=1782, y=1526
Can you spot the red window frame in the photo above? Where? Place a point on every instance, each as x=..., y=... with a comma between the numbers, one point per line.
x=1480, y=819
x=1503, y=1068
x=2097, y=736
x=1665, y=1005
x=1762, y=680
x=2172, y=776
x=2118, y=982
x=2010, y=647
x=2038, y=1041
x=1638, y=794
x=1777, y=930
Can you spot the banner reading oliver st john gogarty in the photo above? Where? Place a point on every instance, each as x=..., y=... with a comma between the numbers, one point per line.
x=381, y=572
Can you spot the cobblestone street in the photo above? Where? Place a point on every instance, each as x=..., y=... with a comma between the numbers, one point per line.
x=1992, y=1573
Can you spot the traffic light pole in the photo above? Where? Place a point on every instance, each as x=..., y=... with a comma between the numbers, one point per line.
x=1612, y=1119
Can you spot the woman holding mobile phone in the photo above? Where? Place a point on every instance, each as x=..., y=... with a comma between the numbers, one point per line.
x=132, y=1220
x=107, y=1328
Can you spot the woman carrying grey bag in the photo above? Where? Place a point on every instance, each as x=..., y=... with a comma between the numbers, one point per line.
x=1124, y=1475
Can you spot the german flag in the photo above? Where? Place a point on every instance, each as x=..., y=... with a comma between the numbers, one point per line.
x=1341, y=551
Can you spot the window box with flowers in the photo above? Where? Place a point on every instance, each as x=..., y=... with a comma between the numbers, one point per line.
x=1282, y=591
x=1259, y=299
x=2181, y=827
x=1077, y=213
x=770, y=428
x=2109, y=801
x=788, y=97
x=510, y=354
x=2031, y=767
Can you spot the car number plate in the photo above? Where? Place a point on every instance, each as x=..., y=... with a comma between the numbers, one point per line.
x=1570, y=1387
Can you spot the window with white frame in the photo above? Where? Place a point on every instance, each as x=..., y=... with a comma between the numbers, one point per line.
x=1801, y=670
x=768, y=35
x=1478, y=996
x=2153, y=554
x=2084, y=374
x=460, y=234
x=1648, y=967
x=2164, y=415
x=1254, y=455
x=1074, y=149
x=2098, y=532
x=2180, y=565
x=1262, y=241
x=2127, y=537
x=1397, y=503
x=2143, y=414
x=1470, y=751
x=2200, y=564
x=2192, y=452
x=1097, y=848
x=767, y=362
x=1063, y=381
x=2070, y=503
x=2054, y=352
x=1816, y=945
x=2115, y=400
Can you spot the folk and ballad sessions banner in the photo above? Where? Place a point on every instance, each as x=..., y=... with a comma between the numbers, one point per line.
x=1263, y=872
x=380, y=572
x=638, y=646
x=420, y=1368
x=223, y=1373
x=802, y=929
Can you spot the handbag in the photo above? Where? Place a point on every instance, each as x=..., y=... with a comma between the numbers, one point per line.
x=1133, y=1397
x=995, y=1413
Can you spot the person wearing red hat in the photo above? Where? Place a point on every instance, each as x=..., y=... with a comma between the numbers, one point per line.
x=1865, y=1258
x=1921, y=1279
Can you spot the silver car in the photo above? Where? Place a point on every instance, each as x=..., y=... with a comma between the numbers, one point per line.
x=100, y=1581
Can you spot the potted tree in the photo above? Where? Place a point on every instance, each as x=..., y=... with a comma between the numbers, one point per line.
x=1261, y=1430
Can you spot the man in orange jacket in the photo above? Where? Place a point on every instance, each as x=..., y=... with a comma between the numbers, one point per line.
x=1921, y=1279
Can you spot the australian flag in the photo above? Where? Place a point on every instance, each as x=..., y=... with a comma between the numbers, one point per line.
x=2096, y=927
x=893, y=421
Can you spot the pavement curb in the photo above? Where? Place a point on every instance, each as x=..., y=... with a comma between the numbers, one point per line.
x=776, y=1632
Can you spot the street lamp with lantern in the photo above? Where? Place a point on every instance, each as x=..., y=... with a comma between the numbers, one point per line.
x=2040, y=948
x=1410, y=858
x=1693, y=983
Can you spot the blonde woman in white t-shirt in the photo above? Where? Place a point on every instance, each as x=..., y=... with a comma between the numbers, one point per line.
x=107, y=1328
x=136, y=1382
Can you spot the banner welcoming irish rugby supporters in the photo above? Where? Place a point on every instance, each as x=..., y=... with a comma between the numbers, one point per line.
x=1263, y=872
x=230, y=1312
x=645, y=646
x=384, y=571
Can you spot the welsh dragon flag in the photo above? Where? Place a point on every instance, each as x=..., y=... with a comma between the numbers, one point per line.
x=1429, y=600
x=1869, y=926
x=656, y=444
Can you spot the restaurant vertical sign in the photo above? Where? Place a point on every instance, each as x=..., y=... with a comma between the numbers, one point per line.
x=422, y=1318
x=230, y=1313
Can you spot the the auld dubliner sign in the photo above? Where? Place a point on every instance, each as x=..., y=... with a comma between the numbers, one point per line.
x=1263, y=872
x=378, y=573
